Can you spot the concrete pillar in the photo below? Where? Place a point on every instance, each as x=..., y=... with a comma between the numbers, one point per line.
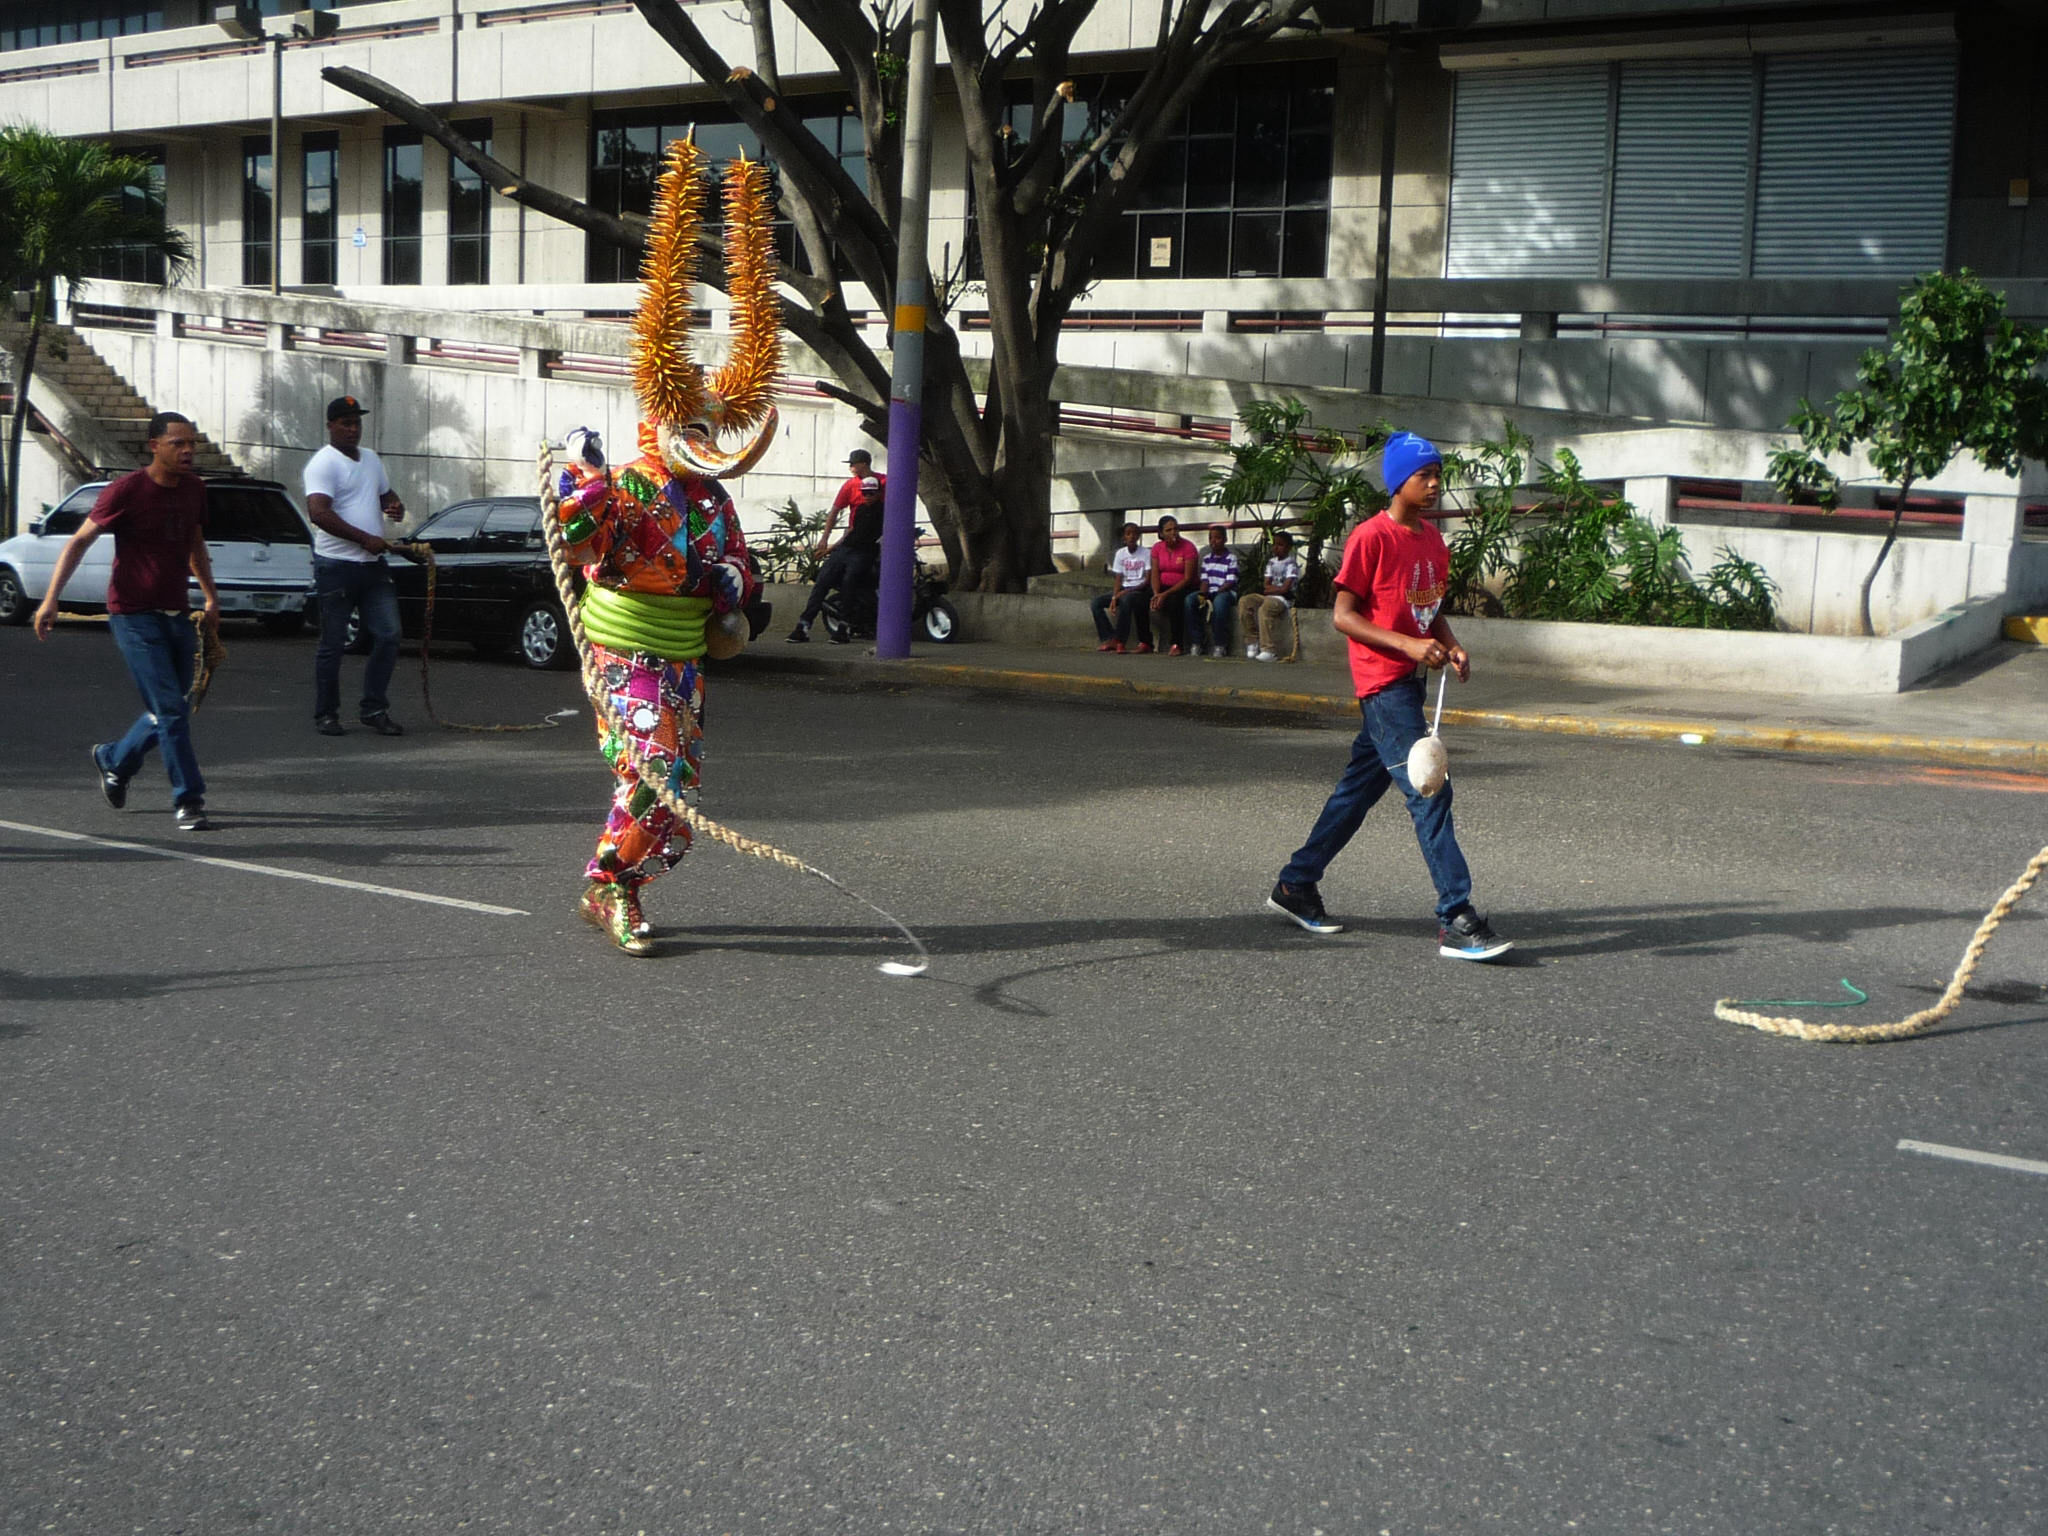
x=1539, y=326
x=1655, y=497
x=277, y=336
x=534, y=362
x=401, y=349
x=1991, y=519
x=167, y=324
x=1215, y=322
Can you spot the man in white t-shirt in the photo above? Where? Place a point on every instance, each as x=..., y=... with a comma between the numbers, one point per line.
x=348, y=499
x=1132, y=568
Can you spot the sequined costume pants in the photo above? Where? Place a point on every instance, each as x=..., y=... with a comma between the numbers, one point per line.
x=661, y=706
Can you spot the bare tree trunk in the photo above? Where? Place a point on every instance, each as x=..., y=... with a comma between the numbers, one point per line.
x=14, y=429
x=1891, y=537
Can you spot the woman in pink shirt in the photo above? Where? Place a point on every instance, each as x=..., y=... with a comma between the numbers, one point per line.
x=1176, y=568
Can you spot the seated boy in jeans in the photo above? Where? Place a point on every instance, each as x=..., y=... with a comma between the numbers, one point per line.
x=1390, y=592
x=1264, y=610
x=1132, y=598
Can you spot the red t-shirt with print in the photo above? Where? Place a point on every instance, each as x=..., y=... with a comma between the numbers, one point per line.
x=1399, y=574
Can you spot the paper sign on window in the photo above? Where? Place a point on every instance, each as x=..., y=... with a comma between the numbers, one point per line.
x=1162, y=251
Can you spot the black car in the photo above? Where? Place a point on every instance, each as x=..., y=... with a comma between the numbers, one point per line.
x=493, y=585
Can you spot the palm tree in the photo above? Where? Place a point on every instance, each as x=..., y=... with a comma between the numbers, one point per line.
x=65, y=205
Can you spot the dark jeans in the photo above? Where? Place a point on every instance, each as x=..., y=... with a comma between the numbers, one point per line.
x=845, y=568
x=1177, y=624
x=158, y=648
x=1379, y=757
x=345, y=586
x=1132, y=603
x=1222, y=604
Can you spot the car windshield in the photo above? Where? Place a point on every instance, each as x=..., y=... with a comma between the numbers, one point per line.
x=252, y=512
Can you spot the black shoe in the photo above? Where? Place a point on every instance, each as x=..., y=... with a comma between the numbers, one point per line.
x=191, y=817
x=801, y=635
x=1467, y=937
x=1303, y=904
x=328, y=725
x=112, y=785
x=382, y=724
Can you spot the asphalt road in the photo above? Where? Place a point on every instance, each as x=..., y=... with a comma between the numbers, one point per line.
x=325, y=1209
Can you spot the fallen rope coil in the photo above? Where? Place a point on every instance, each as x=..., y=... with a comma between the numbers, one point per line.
x=423, y=554
x=208, y=656
x=1869, y=1034
x=601, y=703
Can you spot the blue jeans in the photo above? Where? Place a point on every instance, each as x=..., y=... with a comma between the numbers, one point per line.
x=1131, y=604
x=158, y=648
x=344, y=586
x=1379, y=757
x=1222, y=604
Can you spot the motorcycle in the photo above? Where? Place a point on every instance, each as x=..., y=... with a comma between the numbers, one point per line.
x=851, y=615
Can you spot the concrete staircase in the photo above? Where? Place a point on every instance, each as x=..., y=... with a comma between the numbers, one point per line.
x=67, y=359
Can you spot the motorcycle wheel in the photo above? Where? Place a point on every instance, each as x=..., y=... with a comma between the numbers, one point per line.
x=834, y=619
x=941, y=623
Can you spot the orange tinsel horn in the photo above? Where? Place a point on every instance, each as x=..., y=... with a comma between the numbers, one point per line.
x=670, y=385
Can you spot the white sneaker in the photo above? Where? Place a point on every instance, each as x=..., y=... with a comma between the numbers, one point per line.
x=1265, y=656
x=1251, y=653
x=1217, y=652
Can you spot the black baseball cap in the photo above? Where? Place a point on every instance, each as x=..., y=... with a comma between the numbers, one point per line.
x=344, y=405
x=860, y=456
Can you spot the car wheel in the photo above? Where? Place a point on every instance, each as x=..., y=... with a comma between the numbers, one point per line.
x=941, y=623
x=834, y=617
x=543, y=636
x=358, y=641
x=13, y=601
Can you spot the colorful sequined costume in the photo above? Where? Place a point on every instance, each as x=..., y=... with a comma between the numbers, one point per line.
x=664, y=560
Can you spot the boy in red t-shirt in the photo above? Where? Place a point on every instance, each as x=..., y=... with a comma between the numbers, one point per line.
x=1390, y=592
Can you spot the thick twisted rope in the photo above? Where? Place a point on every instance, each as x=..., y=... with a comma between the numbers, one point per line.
x=208, y=656
x=423, y=554
x=1926, y=1018
x=601, y=702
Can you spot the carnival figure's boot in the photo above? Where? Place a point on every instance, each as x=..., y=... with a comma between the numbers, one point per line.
x=605, y=906
x=637, y=919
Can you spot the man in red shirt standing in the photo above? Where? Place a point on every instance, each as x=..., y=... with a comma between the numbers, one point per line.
x=1390, y=592
x=854, y=561
x=157, y=515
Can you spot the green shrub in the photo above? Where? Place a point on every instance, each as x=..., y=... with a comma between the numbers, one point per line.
x=788, y=551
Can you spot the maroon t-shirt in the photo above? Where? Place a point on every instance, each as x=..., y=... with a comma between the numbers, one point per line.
x=152, y=527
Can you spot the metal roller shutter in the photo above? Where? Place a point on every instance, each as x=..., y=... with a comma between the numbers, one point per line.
x=1853, y=167
x=1529, y=173
x=1681, y=168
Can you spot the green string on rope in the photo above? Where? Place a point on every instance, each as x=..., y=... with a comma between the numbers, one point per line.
x=1859, y=998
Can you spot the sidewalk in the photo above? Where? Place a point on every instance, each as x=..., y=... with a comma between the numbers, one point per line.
x=1989, y=712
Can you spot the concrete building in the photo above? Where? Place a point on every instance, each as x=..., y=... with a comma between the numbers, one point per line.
x=1631, y=212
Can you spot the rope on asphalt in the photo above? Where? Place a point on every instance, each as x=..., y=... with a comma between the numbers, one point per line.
x=601, y=703
x=1867, y=1034
x=423, y=554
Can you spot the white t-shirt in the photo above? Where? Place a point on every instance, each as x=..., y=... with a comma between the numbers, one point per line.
x=1133, y=567
x=1279, y=570
x=356, y=487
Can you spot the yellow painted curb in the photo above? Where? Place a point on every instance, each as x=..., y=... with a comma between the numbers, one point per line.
x=1978, y=751
x=2032, y=629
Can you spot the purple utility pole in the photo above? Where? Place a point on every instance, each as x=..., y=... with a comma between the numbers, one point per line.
x=906, y=373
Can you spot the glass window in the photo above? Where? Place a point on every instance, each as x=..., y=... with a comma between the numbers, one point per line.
x=322, y=178
x=511, y=525
x=252, y=513
x=454, y=528
x=469, y=210
x=256, y=212
x=404, y=172
x=138, y=262
x=42, y=23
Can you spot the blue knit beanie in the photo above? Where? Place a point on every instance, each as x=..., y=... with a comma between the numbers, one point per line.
x=1404, y=454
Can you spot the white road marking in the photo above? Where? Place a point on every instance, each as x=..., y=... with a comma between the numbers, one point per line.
x=243, y=866
x=1965, y=1155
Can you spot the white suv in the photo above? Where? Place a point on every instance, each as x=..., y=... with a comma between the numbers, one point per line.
x=262, y=552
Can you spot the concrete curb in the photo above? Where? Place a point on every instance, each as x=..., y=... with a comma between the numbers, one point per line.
x=1970, y=751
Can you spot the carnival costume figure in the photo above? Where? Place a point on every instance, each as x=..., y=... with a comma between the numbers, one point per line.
x=664, y=561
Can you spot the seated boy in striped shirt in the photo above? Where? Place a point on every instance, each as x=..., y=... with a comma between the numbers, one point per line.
x=1219, y=586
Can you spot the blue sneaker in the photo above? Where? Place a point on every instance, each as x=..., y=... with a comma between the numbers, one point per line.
x=1466, y=936
x=1302, y=904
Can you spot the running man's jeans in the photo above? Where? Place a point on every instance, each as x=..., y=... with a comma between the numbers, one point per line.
x=661, y=705
x=159, y=649
x=1379, y=757
x=343, y=586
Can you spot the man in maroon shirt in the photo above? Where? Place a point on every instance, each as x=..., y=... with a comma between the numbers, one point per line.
x=157, y=515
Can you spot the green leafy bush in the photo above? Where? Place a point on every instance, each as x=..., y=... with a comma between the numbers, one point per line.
x=788, y=551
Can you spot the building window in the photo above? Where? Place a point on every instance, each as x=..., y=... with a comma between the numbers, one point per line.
x=45, y=23
x=469, y=211
x=1786, y=165
x=1240, y=187
x=138, y=262
x=626, y=150
x=256, y=212
x=321, y=154
x=404, y=171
